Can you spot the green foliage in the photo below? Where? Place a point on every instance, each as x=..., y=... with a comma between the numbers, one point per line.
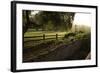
x=49, y=26
x=47, y=21
x=69, y=35
x=54, y=20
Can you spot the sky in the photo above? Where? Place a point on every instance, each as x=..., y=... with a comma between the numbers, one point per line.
x=82, y=19
x=34, y=12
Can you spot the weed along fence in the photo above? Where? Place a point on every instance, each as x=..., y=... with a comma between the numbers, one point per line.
x=43, y=37
x=50, y=37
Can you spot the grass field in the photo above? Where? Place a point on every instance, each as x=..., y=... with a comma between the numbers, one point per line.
x=40, y=33
x=36, y=49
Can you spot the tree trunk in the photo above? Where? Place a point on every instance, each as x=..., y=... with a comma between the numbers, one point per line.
x=27, y=22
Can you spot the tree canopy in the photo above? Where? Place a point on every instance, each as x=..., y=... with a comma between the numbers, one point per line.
x=49, y=21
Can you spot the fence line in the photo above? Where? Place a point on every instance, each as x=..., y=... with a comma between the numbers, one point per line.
x=45, y=37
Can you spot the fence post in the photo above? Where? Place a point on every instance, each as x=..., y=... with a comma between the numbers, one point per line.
x=56, y=36
x=43, y=36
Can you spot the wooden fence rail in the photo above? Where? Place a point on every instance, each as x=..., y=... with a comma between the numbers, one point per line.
x=44, y=37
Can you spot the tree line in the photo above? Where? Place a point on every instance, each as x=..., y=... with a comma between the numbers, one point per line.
x=47, y=20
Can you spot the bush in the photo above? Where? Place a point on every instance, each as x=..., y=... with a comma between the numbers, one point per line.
x=69, y=34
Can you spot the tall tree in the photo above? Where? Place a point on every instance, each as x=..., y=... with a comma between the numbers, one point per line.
x=58, y=20
x=26, y=20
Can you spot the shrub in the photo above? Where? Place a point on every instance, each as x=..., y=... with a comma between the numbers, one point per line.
x=69, y=34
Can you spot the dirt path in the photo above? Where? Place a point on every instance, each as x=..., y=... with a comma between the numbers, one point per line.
x=61, y=52
x=71, y=51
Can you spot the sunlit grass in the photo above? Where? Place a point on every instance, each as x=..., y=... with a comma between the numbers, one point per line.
x=79, y=34
x=40, y=33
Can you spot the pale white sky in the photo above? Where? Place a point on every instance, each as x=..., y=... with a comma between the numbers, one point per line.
x=34, y=12
x=82, y=19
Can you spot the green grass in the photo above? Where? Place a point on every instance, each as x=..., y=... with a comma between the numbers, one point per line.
x=40, y=33
x=32, y=41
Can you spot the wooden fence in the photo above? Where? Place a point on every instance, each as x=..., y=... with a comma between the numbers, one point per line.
x=44, y=37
